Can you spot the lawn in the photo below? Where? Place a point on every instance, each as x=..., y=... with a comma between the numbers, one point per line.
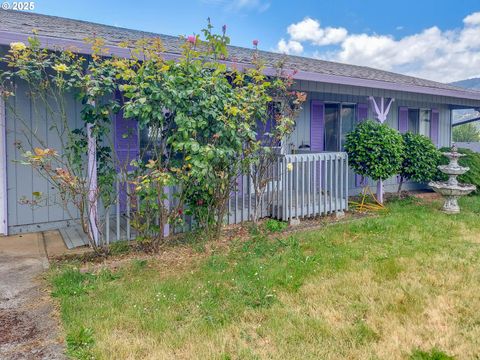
x=403, y=285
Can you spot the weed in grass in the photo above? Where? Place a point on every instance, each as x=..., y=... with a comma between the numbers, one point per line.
x=433, y=354
x=79, y=343
x=272, y=225
x=119, y=247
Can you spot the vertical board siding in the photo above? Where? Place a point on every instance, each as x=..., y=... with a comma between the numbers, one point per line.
x=434, y=126
x=317, y=126
x=29, y=124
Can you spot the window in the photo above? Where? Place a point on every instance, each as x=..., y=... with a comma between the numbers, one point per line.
x=425, y=122
x=348, y=122
x=339, y=121
x=419, y=121
x=332, y=127
x=413, y=122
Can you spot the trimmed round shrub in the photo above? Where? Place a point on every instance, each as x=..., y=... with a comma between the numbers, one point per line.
x=420, y=159
x=374, y=150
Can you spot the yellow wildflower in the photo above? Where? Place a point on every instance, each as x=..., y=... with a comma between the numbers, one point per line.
x=60, y=67
x=289, y=166
x=17, y=46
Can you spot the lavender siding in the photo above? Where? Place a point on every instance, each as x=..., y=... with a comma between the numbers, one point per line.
x=434, y=126
x=317, y=125
x=403, y=119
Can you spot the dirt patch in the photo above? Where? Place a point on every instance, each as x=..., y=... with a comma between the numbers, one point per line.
x=16, y=327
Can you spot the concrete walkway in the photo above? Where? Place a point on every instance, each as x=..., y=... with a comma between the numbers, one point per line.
x=28, y=327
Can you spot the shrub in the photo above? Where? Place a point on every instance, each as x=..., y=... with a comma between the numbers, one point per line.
x=472, y=160
x=420, y=159
x=375, y=150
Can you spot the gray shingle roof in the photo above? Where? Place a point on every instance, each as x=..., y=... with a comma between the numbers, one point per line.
x=57, y=27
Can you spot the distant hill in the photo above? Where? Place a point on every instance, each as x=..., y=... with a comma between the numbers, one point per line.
x=473, y=83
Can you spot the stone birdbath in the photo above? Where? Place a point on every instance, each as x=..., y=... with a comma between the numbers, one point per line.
x=451, y=189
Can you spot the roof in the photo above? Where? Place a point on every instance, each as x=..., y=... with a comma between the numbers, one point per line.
x=53, y=27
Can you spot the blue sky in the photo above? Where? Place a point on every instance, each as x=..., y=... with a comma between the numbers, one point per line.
x=373, y=33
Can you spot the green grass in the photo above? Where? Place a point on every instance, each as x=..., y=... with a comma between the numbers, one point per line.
x=393, y=286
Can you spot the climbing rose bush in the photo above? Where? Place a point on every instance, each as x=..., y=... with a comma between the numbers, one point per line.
x=375, y=150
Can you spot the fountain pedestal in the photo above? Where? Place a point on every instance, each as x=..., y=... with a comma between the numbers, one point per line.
x=451, y=190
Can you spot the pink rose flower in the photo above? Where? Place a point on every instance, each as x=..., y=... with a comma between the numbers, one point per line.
x=192, y=39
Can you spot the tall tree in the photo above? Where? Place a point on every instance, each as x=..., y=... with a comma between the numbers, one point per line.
x=466, y=133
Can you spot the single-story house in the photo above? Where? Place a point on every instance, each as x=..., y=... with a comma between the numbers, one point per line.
x=338, y=96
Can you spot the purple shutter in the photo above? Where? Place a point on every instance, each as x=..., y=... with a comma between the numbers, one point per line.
x=362, y=112
x=126, y=141
x=127, y=148
x=403, y=119
x=362, y=115
x=434, y=126
x=317, y=125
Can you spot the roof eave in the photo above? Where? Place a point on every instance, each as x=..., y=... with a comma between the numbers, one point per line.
x=52, y=43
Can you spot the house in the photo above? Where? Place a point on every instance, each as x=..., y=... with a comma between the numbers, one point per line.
x=339, y=96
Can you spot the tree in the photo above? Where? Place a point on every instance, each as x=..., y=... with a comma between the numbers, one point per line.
x=420, y=159
x=375, y=150
x=466, y=133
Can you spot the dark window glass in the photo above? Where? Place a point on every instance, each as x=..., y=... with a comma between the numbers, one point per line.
x=348, y=122
x=413, y=120
x=332, y=127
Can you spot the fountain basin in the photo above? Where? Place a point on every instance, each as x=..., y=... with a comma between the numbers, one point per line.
x=446, y=189
x=457, y=170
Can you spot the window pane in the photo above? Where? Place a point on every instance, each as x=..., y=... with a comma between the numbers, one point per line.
x=332, y=127
x=348, y=121
x=425, y=122
x=413, y=125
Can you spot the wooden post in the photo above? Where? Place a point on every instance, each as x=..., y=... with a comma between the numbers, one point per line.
x=92, y=185
x=380, y=191
x=166, y=229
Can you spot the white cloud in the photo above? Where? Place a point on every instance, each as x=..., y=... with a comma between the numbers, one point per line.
x=442, y=55
x=472, y=19
x=290, y=47
x=309, y=30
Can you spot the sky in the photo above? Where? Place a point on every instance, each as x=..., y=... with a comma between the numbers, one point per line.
x=433, y=39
